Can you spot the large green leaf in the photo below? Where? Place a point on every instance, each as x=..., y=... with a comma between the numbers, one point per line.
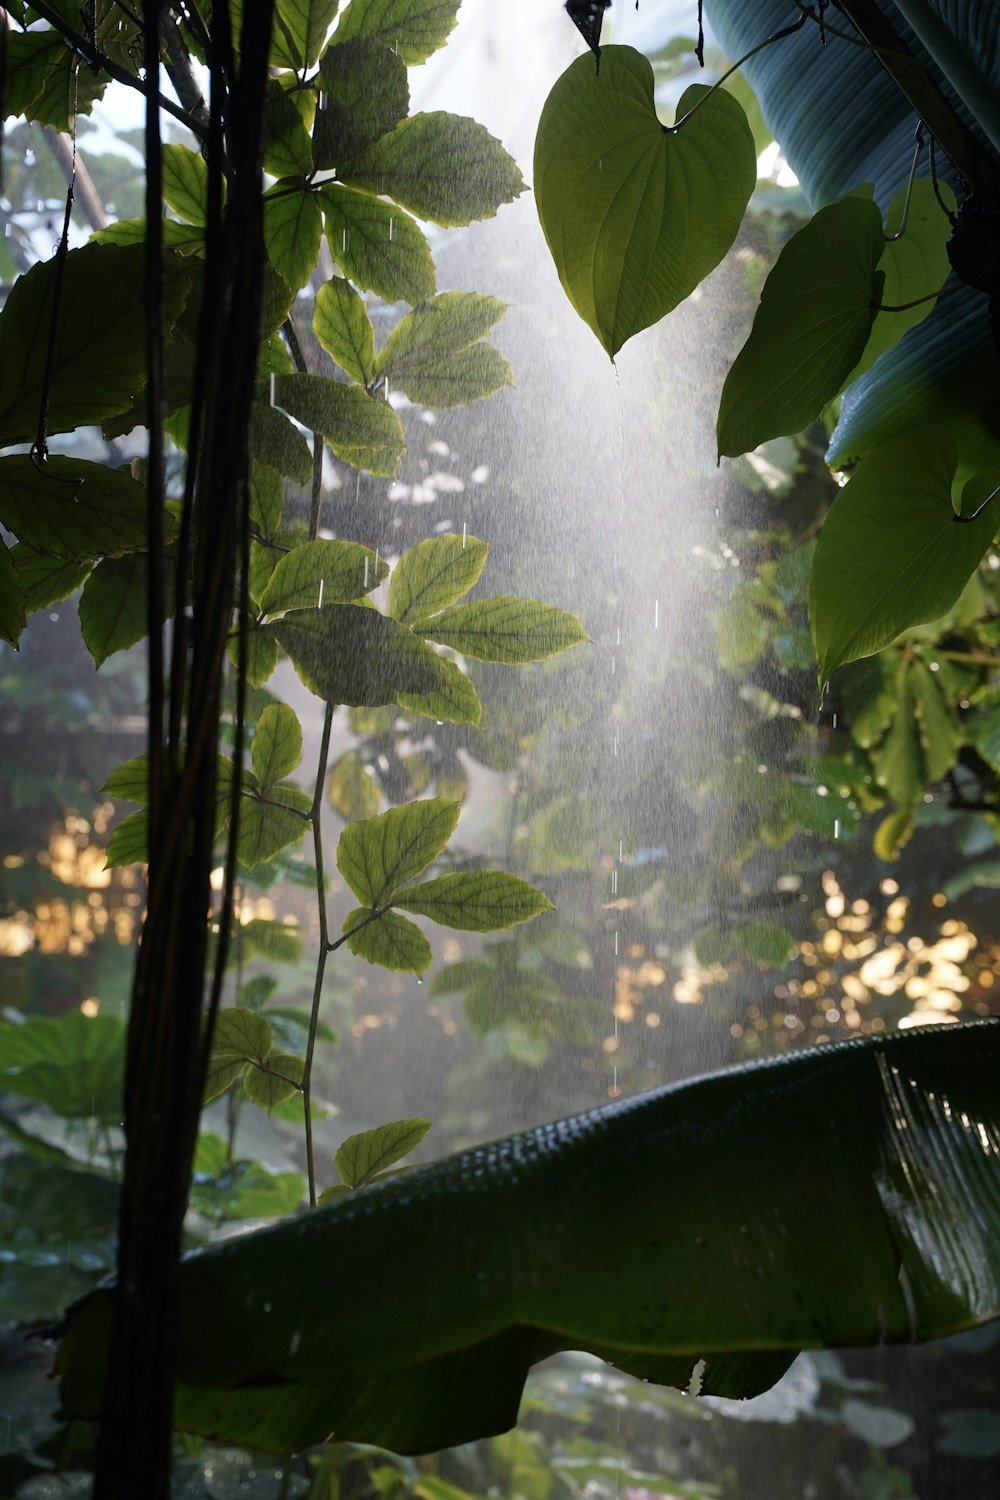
x=271, y=823
x=475, y=900
x=73, y=1064
x=379, y=247
x=347, y=654
x=185, y=183
x=892, y=552
x=46, y=580
x=454, y=700
x=413, y=28
x=881, y=1153
x=364, y=93
x=293, y=229
x=299, y=31
x=99, y=354
x=113, y=605
x=635, y=214
x=276, y=748
x=74, y=510
x=381, y=854
x=813, y=322
x=343, y=327
x=362, y=1157
x=443, y=167
x=434, y=574
x=46, y=81
x=435, y=354
x=507, y=629
x=359, y=428
x=389, y=940
x=322, y=572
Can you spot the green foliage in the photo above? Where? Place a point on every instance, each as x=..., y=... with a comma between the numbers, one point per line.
x=434, y=574
x=505, y=629
x=382, y=854
x=73, y=1064
x=366, y=1156
x=437, y=354
x=636, y=214
x=243, y=1049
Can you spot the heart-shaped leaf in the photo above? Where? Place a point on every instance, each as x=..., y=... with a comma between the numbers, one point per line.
x=893, y=553
x=635, y=213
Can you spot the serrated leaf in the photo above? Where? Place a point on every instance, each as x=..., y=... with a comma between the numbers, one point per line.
x=391, y=941
x=505, y=629
x=815, y=316
x=98, y=360
x=219, y=1076
x=287, y=143
x=185, y=183
x=279, y=1079
x=261, y=658
x=129, y=844
x=277, y=744
x=377, y=245
x=361, y=429
x=176, y=236
x=241, y=1035
x=293, y=228
x=413, y=28
x=74, y=1064
x=453, y=700
x=475, y=900
x=434, y=574
x=344, y=329
x=347, y=654
x=75, y=510
x=267, y=827
x=364, y=93
x=636, y=215
x=365, y=1155
x=46, y=580
x=353, y=793
x=267, y=499
x=113, y=612
x=433, y=357
x=46, y=81
x=299, y=31
x=277, y=443
x=13, y=617
x=380, y=854
x=322, y=572
x=892, y=553
x=442, y=167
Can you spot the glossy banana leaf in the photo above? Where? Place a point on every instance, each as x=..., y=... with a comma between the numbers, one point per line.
x=841, y=122
x=700, y=1234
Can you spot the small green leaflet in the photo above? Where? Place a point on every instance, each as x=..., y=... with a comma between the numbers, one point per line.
x=637, y=215
x=442, y=167
x=185, y=183
x=379, y=247
x=413, y=28
x=815, y=315
x=362, y=1157
x=353, y=793
x=436, y=356
x=277, y=443
x=279, y=1079
x=73, y=509
x=893, y=553
x=289, y=114
x=277, y=744
x=293, y=229
x=299, y=31
x=363, y=93
x=345, y=653
x=321, y=572
x=434, y=574
x=475, y=901
x=271, y=824
x=505, y=629
x=453, y=699
x=344, y=329
x=389, y=940
x=381, y=854
x=242, y=1043
x=361, y=429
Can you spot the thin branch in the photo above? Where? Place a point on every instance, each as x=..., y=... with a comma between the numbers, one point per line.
x=87, y=197
x=324, y=948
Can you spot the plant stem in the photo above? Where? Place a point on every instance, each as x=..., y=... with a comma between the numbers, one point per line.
x=324, y=947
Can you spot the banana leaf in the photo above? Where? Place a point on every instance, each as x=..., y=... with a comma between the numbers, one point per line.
x=841, y=122
x=698, y=1235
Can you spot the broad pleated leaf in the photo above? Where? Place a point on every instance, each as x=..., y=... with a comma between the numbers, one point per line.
x=99, y=357
x=892, y=552
x=881, y=1153
x=73, y=509
x=73, y=1064
x=343, y=327
x=389, y=940
x=636, y=215
x=365, y=1155
x=413, y=28
x=442, y=167
x=506, y=629
x=359, y=428
x=379, y=247
x=475, y=900
x=434, y=574
x=322, y=572
x=347, y=654
x=381, y=854
x=813, y=322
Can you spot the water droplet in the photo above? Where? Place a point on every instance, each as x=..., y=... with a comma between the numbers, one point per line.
x=463, y=535
x=392, y=229
x=420, y=981
x=656, y=615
